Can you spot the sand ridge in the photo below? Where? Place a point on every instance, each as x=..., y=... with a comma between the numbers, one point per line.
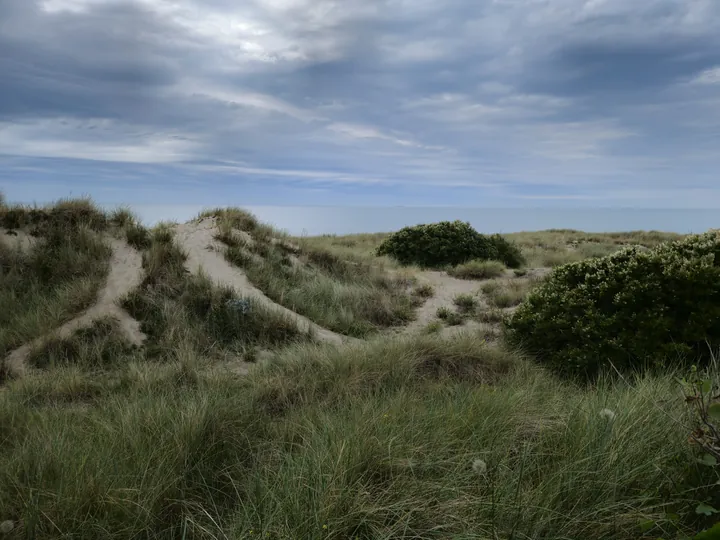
x=125, y=274
x=205, y=253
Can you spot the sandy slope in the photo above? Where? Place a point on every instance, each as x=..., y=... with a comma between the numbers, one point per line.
x=446, y=288
x=125, y=275
x=16, y=238
x=204, y=252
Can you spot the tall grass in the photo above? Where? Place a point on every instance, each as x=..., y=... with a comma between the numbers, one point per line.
x=147, y=463
x=401, y=441
x=404, y=438
x=62, y=215
x=101, y=345
x=506, y=293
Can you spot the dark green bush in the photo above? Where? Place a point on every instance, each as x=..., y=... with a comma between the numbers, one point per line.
x=507, y=252
x=632, y=309
x=447, y=243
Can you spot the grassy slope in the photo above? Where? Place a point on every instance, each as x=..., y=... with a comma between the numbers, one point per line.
x=350, y=295
x=188, y=312
x=59, y=277
x=410, y=438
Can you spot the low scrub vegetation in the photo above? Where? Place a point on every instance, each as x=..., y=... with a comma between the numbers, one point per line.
x=450, y=317
x=63, y=215
x=630, y=310
x=99, y=346
x=505, y=293
x=447, y=243
x=425, y=290
x=556, y=247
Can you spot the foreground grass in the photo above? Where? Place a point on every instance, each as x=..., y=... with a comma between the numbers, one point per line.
x=418, y=438
x=522, y=456
x=352, y=296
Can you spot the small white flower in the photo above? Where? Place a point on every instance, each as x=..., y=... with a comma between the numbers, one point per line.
x=6, y=526
x=479, y=467
x=607, y=414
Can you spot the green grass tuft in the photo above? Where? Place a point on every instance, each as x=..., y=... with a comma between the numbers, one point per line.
x=425, y=290
x=465, y=302
x=478, y=270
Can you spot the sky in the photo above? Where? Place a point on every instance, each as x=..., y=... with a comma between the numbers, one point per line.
x=480, y=103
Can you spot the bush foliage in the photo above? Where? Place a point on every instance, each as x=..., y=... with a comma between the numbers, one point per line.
x=447, y=243
x=632, y=309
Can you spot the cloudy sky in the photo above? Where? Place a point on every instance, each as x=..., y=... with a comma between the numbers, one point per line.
x=362, y=102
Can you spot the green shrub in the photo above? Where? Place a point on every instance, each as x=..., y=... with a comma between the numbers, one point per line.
x=447, y=243
x=478, y=270
x=631, y=309
x=507, y=252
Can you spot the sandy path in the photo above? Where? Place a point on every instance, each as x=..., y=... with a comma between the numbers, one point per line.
x=125, y=275
x=15, y=238
x=446, y=288
x=204, y=252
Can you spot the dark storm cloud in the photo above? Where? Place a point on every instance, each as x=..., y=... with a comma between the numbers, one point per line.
x=625, y=71
x=109, y=62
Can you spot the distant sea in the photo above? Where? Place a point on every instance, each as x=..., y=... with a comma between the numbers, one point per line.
x=316, y=220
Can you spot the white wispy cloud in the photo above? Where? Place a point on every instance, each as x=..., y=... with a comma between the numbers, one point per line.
x=95, y=140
